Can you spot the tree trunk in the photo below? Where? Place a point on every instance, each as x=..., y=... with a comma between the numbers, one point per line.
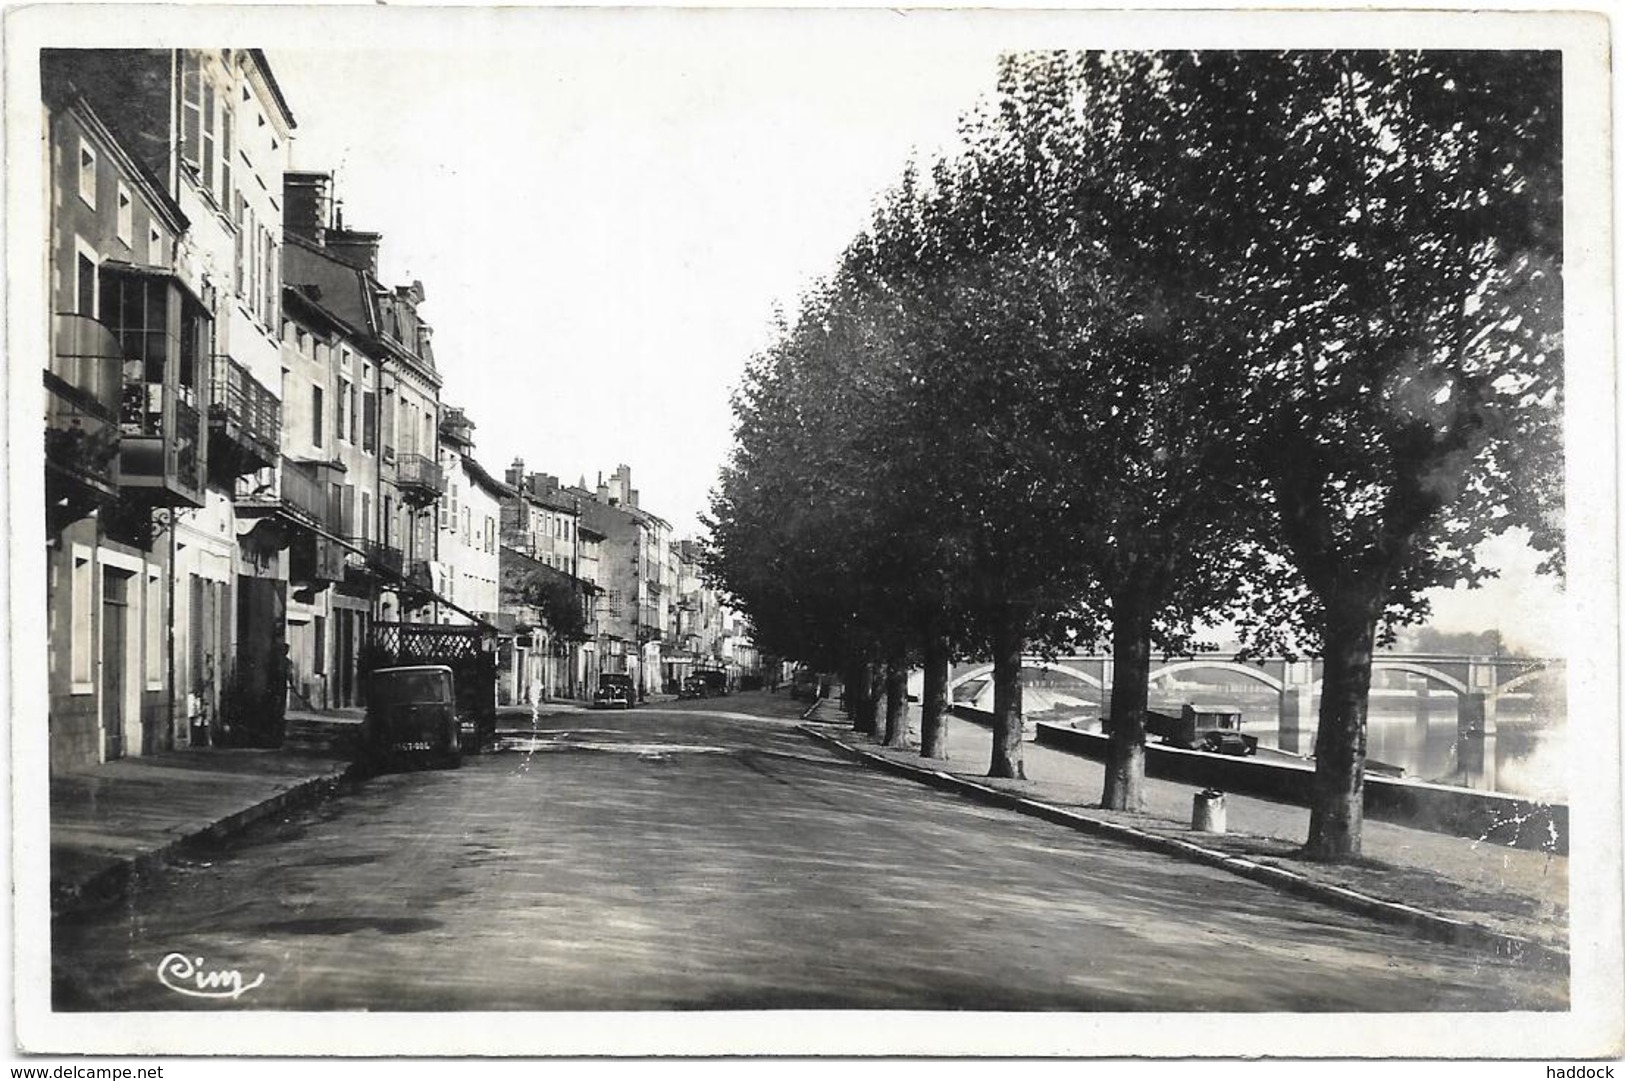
x=1337, y=813
x=1125, y=721
x=897, y=700
x=876, y=691
x=853, y=682
x=934, y=699
x=868, y=706
x=1007, y=643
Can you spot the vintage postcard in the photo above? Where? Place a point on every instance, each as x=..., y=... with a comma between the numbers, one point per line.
x=945, y=533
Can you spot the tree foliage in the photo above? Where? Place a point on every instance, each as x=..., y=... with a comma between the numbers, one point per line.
x=557, y=603
x=1170, y=338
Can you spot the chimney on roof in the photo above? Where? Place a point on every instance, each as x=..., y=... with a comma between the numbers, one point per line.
x=355, y=247
x=307, y=205
x=515, y=476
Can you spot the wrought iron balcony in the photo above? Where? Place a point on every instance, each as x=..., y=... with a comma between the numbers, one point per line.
x=245, y=421
x=303, y=490
x=300, y=494
x=419, y=478
x=314, y=560
x=83, y=392
x=374, y=559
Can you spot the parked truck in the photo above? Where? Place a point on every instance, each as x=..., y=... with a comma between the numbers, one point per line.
x=468, y=650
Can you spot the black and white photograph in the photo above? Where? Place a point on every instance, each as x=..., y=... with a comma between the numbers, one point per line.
x=902, y=533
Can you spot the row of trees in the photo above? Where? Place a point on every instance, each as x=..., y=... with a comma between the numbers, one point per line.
x=1169, y=339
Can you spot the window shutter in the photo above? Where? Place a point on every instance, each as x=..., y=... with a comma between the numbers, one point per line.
x=207, y=152
x=191, y=107
x=369, y=421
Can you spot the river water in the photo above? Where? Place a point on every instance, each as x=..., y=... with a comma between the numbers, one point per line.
x=1413, y=728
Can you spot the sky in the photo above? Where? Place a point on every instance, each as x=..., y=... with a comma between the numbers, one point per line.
x=609, y=229
x=605, y=225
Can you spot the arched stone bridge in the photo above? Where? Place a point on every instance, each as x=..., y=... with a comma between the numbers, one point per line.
x=1478, y=682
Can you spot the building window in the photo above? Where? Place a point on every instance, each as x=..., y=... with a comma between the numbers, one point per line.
x=366, y=515
x=319, y=662
x=154, y=601
x=85, y=283
x=87, y=174
x=83, y=584
x=345, y=404
x=155, y=245
x=349, y=392
x=369, y=421
x=387, y=416
x=126, y=216
x=316, y=421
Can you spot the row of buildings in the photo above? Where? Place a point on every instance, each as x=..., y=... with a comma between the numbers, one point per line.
x=249, y=467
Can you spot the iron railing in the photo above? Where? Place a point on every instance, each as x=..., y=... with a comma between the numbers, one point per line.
x=379, y=555
x=245, y=409
x=81, y=441
x=302, y=491
x=419, y=472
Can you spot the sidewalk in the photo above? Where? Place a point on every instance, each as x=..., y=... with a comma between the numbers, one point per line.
x=1450, y=887
x=112, y=821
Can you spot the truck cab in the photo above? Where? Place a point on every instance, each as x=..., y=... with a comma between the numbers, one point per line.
x=412, y=716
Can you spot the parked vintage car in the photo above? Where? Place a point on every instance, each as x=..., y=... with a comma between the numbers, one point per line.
x=615, y=691
x=1215, y=729
x=412, y=717
x=804, y=684
x=716, y=682
x=691, y=687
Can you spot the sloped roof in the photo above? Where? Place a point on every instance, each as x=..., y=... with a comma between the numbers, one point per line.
x=478, y=474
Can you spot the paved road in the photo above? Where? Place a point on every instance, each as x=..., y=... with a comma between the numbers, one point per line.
x=683, y=858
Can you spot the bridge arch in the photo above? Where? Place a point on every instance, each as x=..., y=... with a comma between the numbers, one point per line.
x=983, y=670
x=1418, y=669
x=1519, y=680
x=1256, y=674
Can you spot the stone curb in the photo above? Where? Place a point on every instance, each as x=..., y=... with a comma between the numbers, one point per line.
x=111, y=883
x=1427, y=924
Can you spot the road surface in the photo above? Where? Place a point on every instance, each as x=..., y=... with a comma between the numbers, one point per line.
x=677, y=857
